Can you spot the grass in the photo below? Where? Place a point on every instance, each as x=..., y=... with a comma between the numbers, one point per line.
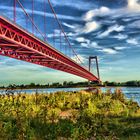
x=69, y=115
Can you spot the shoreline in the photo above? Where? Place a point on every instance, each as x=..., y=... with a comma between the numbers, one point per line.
x=70, y=87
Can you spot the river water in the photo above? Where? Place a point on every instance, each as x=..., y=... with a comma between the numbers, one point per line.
x=130, y=92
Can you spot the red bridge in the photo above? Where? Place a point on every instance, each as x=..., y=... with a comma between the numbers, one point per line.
x=16, y=42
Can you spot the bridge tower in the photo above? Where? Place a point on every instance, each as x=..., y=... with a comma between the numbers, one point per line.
x=97, y=65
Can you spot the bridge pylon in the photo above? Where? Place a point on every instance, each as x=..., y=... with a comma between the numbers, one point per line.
x=97, y=66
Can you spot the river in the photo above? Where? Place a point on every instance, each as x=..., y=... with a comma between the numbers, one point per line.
x=130, y=92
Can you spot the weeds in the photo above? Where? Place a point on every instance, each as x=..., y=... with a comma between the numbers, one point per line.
x=72, y=115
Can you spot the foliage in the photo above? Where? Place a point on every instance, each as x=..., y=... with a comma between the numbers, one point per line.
x=69, y=115
x=134, y=83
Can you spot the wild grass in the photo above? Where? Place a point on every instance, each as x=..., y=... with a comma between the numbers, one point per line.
x=69, y=115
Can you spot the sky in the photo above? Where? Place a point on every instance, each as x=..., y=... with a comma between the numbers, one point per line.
x=108, y=29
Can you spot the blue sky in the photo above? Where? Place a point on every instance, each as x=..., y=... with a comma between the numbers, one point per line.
x=108, y=29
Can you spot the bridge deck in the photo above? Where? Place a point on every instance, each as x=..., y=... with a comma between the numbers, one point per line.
x=20, y=44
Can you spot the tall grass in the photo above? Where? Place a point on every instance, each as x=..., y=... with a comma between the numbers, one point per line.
x=69, y=115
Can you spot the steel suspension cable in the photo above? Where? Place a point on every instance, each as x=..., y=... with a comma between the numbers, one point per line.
x=54, y=34
x=45, y=9
x=60, y=26
x=30, y=18
x=26, y=22
x=14, y=11
x=60, y=40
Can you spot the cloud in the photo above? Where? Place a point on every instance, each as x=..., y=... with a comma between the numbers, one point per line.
x=117, y=28
x=55, y=33
x=135, y=24
x=132, y=41
x=70, y=34
x=91, y=45
x=114, y=13
x=82, y=39
x=87, y=28
x=92, y=13
x=90, y=27
x=115, y=21
x=120, y=36
x=95, y=45
x=120, y=48
x=133, y=5
x=87, y=43
x=68, y=25
x=84, y=45
x=109, y=51
x=89, y=15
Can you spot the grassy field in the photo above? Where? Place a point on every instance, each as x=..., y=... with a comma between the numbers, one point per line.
x=69, y=115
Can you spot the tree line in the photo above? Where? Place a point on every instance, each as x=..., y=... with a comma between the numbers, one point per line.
x=66, y=84
x=134, y=83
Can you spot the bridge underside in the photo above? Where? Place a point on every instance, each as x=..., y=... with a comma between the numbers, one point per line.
x=17, y=43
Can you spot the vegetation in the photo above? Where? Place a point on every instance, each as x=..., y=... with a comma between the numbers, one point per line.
x=66, y=84
x=125, y=84
x=73, y=115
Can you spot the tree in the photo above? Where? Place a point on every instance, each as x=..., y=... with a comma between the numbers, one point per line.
x=65, y=83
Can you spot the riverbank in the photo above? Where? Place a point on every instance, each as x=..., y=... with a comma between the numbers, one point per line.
x=129, y=92
x=72, y=84
x=76, y=87
x=75, y=115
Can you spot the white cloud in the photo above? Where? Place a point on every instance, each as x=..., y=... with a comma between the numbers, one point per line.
x=84, y=45
x=133, y=5
x=95, y=45
x=91, y=45
x=109, y=51
x=87, y=43
x=120, y=48
x=90, y=14
x=120, y=36
x=117, y=28
x=87, y=28
x=90, y=27
x=132, y=41
x=57, y=34
x=70, y=34
x=82, y=40
x=68, y=25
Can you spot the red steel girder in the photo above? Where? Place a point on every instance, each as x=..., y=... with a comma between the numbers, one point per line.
x=4, y=45
x=14, y=36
